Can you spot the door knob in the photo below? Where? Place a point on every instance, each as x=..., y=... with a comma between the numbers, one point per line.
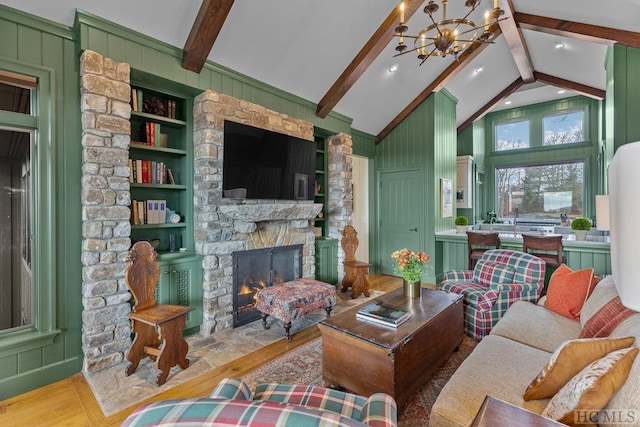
x=413, y=229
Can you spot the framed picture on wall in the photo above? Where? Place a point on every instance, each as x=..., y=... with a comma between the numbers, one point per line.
x=446, y=198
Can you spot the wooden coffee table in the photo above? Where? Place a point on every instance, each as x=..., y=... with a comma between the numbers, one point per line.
x=365, y=358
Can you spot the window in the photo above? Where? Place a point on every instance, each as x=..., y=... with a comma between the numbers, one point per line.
x=540, y=192
x=564, y=128
x=512, y=135
x=16, y=239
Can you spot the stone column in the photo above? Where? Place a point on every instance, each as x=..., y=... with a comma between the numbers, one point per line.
x=340, y=198
x=105, y=94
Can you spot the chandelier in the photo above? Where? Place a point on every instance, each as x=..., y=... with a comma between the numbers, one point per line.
x=447, y=36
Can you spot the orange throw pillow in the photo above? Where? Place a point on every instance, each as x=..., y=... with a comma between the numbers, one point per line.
x=568, y=290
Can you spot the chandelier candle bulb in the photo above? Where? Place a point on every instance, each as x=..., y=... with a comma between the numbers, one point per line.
x=486, y=19
x=495, y=4
x=401, y=12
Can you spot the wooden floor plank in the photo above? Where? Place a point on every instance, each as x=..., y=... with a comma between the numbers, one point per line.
x=71, y=402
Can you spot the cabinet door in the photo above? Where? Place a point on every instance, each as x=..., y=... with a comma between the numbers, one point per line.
x=327, y=260
x=186, y=289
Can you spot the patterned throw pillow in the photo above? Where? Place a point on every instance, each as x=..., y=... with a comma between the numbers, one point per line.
x=569, y=359
x=592, y=388
x=489, y=273
x=605, y=320
x=568, y=290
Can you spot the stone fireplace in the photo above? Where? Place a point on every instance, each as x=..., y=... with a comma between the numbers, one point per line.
x=222, y=227
x=260, y=268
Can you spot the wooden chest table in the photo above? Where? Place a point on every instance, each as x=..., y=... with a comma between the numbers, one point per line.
x=365, y=358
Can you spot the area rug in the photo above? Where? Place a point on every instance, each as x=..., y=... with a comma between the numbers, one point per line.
x=303, y=365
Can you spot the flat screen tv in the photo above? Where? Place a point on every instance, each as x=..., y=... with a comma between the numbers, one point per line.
x=262, y=164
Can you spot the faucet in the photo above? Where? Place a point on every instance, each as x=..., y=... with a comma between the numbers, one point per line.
x=515, y=221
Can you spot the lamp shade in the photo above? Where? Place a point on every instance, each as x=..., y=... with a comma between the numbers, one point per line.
x=602, y=212
x=624, y=175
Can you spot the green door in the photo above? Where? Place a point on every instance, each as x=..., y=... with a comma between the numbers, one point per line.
x=399, y=214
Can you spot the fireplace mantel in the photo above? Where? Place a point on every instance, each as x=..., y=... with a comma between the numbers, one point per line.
x=271, y=211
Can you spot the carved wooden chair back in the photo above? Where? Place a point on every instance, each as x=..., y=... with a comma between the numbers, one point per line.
x=142, y=275
x=349, y=243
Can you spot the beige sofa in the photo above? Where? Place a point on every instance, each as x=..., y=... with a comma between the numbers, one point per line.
x=520, y=344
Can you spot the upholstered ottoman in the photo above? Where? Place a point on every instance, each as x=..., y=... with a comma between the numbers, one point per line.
x=289, y=301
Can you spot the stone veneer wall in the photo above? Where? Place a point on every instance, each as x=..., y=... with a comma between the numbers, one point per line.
x=106, y=131
x=223, y=226
x=340, y=198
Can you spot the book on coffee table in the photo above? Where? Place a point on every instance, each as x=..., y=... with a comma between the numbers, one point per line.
x=383, y=314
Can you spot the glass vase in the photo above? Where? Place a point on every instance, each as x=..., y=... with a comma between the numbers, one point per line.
x=411, y=288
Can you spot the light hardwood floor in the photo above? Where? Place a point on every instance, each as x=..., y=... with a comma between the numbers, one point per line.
x=70, y=402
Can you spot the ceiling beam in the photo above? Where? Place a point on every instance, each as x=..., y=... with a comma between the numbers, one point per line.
x=204, y=32
x=585, y=90
x=517, y=84
x=376, y=44
x=449, y=73
x=515, y=41
x=577, y=30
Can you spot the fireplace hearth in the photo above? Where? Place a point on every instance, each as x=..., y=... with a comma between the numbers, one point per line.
x=259, y=268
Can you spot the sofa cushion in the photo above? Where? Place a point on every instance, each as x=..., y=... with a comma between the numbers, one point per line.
x=605, y=320
x=604, y=292
x=488, y=273
x=536, y=326
x=569, y=359
x=592, y=388
x=497, y=367
x=222, y=412
x=568, y=291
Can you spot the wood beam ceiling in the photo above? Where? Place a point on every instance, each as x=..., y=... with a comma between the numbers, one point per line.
x=204, y=32
x=449, y=73
x=515, y=41
x=577, y=30
x=517, y=84
x=585, y=90
x=369, y=52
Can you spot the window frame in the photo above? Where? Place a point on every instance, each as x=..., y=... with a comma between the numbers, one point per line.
x=539, y=154
x=43, y=327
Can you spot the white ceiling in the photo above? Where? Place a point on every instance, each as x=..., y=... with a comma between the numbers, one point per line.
x=303, y=46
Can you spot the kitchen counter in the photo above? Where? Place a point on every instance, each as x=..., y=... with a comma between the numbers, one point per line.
x=568, y=240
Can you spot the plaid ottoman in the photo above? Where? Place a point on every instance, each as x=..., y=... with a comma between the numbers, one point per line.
x=291, y=300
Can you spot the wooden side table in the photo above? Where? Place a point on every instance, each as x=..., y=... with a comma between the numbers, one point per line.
x=495, y=412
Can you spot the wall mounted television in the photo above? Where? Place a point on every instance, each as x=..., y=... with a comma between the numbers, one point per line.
x=262, y=164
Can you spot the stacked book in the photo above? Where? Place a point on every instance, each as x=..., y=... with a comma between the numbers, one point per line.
x=381, y=314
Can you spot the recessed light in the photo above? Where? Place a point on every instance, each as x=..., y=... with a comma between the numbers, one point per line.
x=507, y=103
x=478, y=70
x=559, y=45
x=393, y=68
x=561, y=91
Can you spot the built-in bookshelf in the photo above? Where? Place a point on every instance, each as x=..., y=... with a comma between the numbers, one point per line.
x=321, y=222
x=160, y=162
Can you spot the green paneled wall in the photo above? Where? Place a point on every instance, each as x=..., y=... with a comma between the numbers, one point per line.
x=623, y=102
x=29, y=359
x=425, y=140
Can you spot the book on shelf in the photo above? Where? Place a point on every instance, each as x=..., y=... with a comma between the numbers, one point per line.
x=134, y=99
x=383, y=314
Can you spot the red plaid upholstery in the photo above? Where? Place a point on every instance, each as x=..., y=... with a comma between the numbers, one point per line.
x=500, y=278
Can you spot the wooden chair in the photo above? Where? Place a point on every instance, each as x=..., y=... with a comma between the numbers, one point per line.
x=478, y=243
x=158, y=328
x=549, y=248
x=355, y=272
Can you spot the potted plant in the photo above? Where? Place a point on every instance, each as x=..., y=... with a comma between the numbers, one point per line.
x=581, y=227
x=461, y=223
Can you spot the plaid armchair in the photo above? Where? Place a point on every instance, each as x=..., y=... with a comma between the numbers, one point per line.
x=500, y=278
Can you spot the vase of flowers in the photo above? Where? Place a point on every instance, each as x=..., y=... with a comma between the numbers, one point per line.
x=411, y=265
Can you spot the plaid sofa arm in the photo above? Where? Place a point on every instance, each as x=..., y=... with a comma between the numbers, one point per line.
x=223, y=413
x=505, y=294
x=232, y=388
x=380, y=411
x=326, y=399
x=458, y=276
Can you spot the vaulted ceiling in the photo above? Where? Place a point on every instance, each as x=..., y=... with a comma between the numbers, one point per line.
x=339, y=53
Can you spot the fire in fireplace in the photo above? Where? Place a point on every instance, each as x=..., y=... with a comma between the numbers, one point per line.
x=256, y=269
